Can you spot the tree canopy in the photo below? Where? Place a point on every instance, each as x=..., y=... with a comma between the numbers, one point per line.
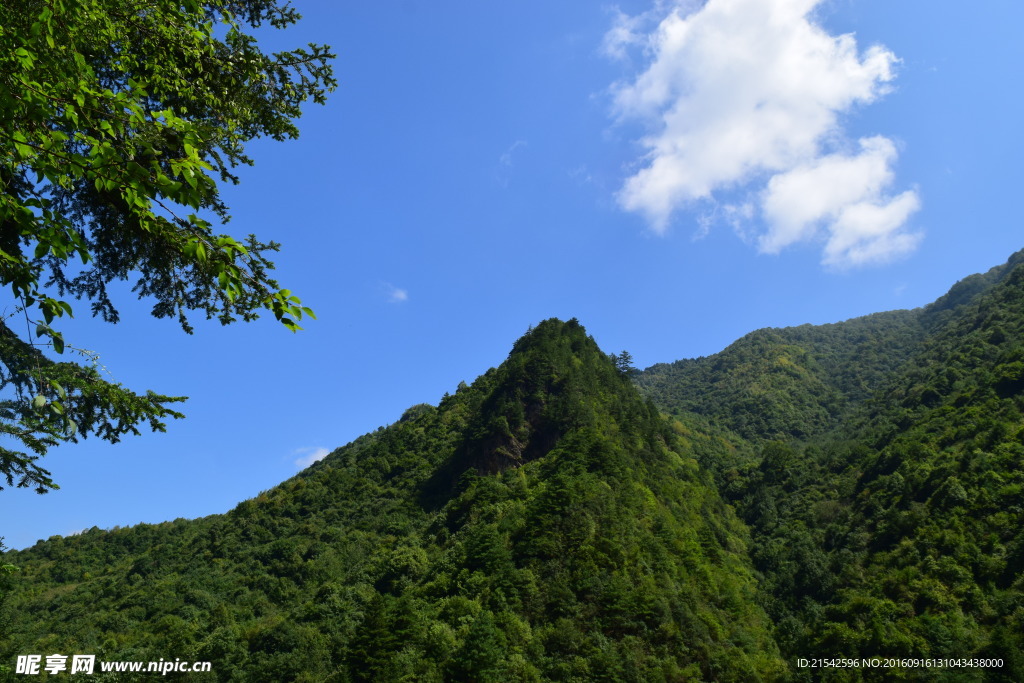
x=119, y=122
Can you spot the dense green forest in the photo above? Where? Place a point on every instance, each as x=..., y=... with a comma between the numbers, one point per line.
x=883, y=476
x=544, y=523
x=847, y=490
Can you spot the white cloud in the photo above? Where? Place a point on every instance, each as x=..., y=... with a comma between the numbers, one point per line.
x=736, y=93
x=623, y=35
x=869, y=232
x=395, y=295
x=844, y=196
x=309, y=455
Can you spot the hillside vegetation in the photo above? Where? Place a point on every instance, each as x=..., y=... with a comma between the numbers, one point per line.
x=885, y=496
x=544, y=523
x=845, y=490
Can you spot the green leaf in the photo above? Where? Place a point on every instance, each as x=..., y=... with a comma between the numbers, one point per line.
x=59, y=389
x=77, y=110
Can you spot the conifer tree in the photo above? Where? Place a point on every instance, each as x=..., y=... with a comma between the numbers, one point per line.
x=624, y=362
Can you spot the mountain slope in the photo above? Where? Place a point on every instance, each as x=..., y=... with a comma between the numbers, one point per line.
x=898, y=531
x=938, y=497
x=801, y=382
x=544, y=523
x=787, y=383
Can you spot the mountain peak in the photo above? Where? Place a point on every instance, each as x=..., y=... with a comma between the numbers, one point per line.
x=549, y=332
x=555, y=381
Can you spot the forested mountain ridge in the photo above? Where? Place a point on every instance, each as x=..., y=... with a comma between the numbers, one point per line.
x=846, y=490
x=800, y=382
x=786, y=383
x=544, y=523
x=896, y=528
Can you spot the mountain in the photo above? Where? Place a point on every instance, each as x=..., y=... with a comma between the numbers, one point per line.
x=544, y=523
x=886, y=515
x=801, y=382
x=788, y=383
x=853, y=490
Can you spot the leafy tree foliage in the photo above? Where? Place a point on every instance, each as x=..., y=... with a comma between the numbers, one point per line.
x=118, y=121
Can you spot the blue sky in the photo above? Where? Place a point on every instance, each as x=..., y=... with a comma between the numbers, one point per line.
x=674, y=175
